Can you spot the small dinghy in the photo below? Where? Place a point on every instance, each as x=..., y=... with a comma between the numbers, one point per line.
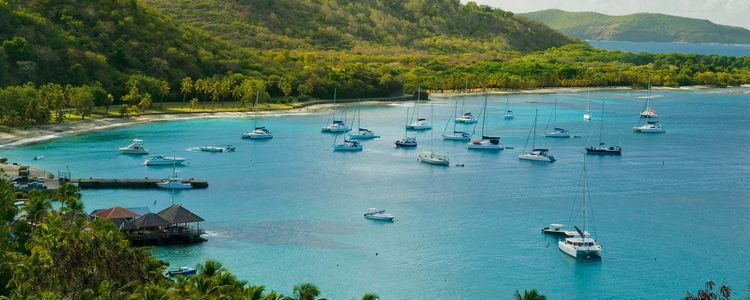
x=184, y=271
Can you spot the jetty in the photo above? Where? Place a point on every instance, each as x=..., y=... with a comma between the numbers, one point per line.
x=130, y=183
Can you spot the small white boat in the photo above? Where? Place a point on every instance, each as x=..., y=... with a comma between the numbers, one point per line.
x=227, y=148
x=258, y=133
x=136, y=147
x=419, y=124
x=466, y=118
x=557, y=133
x=486, y=143
x=378, y=215
x=587, y=116
x=538, y=155
x=348, y=146
x=406, y=142
x=160, y=160
x=650, y=127
x=554, y=228
x=174, y=183
x=434, y=159
x=457, y=136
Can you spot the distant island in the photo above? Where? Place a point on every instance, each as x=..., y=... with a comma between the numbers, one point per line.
x=642, y=27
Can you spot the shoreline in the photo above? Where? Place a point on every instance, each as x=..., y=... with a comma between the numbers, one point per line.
x=574, y=90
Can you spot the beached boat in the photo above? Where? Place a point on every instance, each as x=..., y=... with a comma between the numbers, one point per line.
x=650, y=127
x=456, y=135
x=160, y=160
x=602, y=148
x=136, y=147
x=432, y=157
x=536, y=154
x=582, y=245
x=184, y=271
x=333, y=125
x=557, y=132
x=420, y=123
x=491, y=143
x=259, y=132
x=378, y=215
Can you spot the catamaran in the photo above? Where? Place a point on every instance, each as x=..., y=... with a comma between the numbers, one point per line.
x=432, y=157
x=136, y=147
x=420, y=123
x=407, y=141
x=456, y=135
x=536, y=154
x=487, y=142
x=362, y=133
x=557, y=132
x=602, y=148
x=508, y=113
x=258, y=133
x=333, y=125
x=649, y=112
x=581, y=245
x=587, y=114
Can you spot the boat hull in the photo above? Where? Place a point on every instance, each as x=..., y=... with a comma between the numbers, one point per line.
x=380, y=218
x=448, y=137
x=580, y=252
x=466, y=121
x=649, y=130
x=531, y=157
x=418, y=127
x=431, y=159
x=174, y=186
x=254, y=136
x=603, y=151
x=557, y=135
x=133, y=152
x=363, y=136
x=485, y=146
x=346, y=149
x=165, y=162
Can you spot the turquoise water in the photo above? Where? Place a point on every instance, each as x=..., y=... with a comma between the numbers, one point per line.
x=670, y=213
x=662, y=47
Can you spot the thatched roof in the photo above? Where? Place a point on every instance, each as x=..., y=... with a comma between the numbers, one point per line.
x=177, y=214
x=149, y=220
x=114, y=213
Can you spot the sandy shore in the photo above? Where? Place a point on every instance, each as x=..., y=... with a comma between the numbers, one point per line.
x=565, y=90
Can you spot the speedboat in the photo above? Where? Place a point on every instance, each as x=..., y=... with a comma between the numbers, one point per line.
x=348, y=146
x=136, y=147
x=378, y=214
x=466, y=118
x=457, y=136
x=227, y=148
x=258, y=133
x=581, y=245
x=174, y=183
x=419, y=124
x=558, y=133
x=363, y=134
x=182, y=271
x=650, y=127
x=336, y=126
x=649, y=113
x=160, y=160
x=604, y=150
x=434, y=159
x=509, y=115
x=486, y=143
x=556, y=229
x=538, y=155
x=406, y=142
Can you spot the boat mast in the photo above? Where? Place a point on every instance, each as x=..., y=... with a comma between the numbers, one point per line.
x=533, y=136
x=406, y=131
x=432, y=132
x=451, y=118
x=257, y=95
x=333, y=109
x=585, y=213
x=484, y=112
x=601, y=125
x=359, y=115
x=463, y=101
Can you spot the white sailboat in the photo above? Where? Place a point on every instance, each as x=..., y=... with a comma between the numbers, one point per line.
x=508, y=113
x=407, y=141
x=467, y=117
x=491, y=143
x=536, y=154
x=362, y=133
x=432, y=157
x=602, y=148
x=347, y=145
x=587, y=114
x=258, y=133
x=456, y=135
x=420, y=123
x=333, y=125
x=649, y=112
x=557, y=132
x=581, y=245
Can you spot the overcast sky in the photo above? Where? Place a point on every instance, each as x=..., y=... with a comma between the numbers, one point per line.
x=727, y=12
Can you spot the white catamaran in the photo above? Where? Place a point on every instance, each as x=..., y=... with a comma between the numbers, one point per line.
x=582, y=245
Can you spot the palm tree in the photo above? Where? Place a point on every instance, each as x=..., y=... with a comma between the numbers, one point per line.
x=255, y=292
x=37, y=207
x=533, y=294
x=370, y=296
x=186, y=87
x=306, y=291
x=211, y=268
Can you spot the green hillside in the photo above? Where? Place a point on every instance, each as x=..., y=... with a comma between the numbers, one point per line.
x=641, y=27
x=436, y=25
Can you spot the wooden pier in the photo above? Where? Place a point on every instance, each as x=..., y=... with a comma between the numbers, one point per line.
x=144, y=183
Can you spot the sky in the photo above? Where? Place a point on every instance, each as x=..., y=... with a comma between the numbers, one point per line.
x=726, y=12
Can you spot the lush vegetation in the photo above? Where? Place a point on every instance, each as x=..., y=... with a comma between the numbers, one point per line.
x=642, y=27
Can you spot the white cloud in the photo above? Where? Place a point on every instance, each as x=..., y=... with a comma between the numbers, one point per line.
x=727, y=12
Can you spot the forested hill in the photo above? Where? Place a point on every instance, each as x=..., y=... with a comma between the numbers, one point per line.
x=445, y=26
x=641, y=27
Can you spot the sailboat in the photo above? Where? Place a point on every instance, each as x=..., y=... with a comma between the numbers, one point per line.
x=467, y=117
x=582, y=244
x=536, y=154
x=603, y=148
x=557, y=132
x=174, y=182
x=456, y=135
x=347, y=145
x=420, y=123
x=649, y=112
x=487, y=142
x=432, y=157
x=362, y=133
x=587, y=114
x=508, y=113
x=407, y=141
x=335, y=125
x=259, y=133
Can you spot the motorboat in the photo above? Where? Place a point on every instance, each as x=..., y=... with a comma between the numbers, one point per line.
x=184, y=271
x=406, y=142
x=136, y=147
x=258, y=133
x=363, y=134
x=433, y=159
x=650, y=127
x=467, y=118
x=557, y=133
x=419, y=124
x=160, y=160
x=378, y=215
x=604, y=149
x=486, y=143
x=554, y=229
x=537, y=155
x=227, y=148
x=348, y=146
x=336, y=126
x=457, y=136
x=174, y=183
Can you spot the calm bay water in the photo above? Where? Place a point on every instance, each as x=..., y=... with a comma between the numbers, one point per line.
x=670, y=213
x=663, y=47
